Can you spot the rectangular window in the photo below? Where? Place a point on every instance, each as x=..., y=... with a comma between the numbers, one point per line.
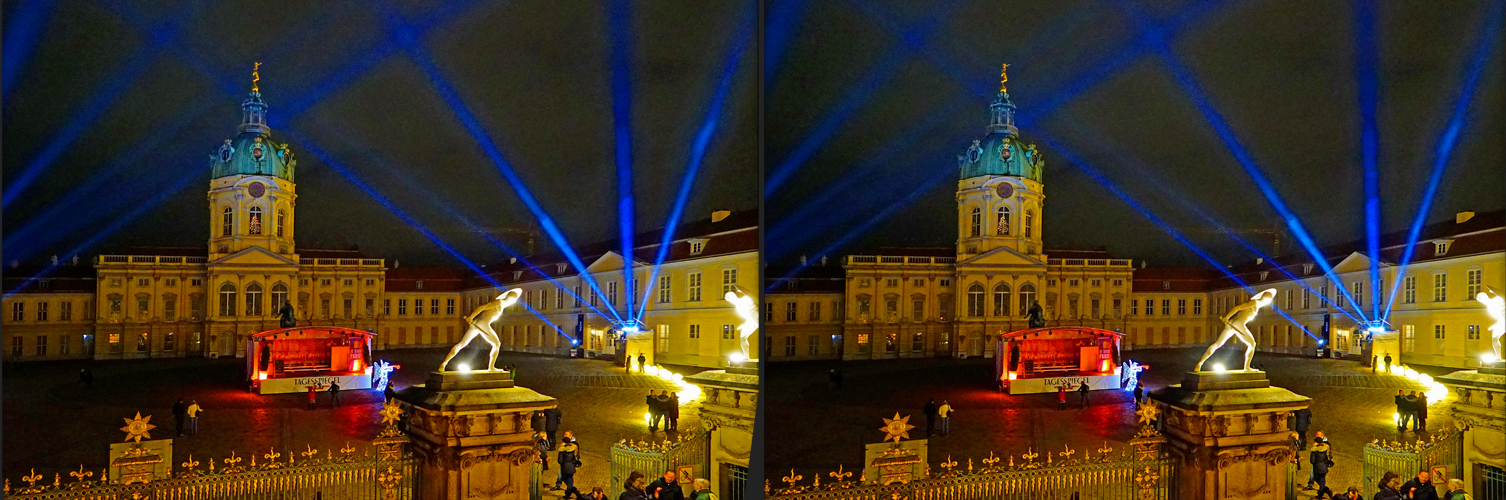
x=1093, y=304
x=1118, y=307
x=945, y=282
x=171, y=282
x=1197, y=306
x=370, y=307
x=891, y=282
x=695, y=331
x=729, y=280
x=143, y=342
x=919, y=283
x=115, y=344
x=18, y=311
x=1097, y=283
x=144, y=306
x=663, y=341
x=1471, y=284
x=612, y=293
x=41, y=311
x=1438, y=332
x=170, y=308
x=65, y=343
x=918, y=342
x=1440, y=287
x=1135, y=307
x=143, y=282
x=348, y=307
x=815, y=313
x=726, y=332
x=1182, y=307
x=789, y=346
x=595, y=298
x=16, y=346
x=1323, y=295
x=1072, y=282
x=664, y=289
x=402, y=307
x=370, y=282
x=576, y=299
x=324, y=307
x=327, y=282
x=791, y=311
x=65, y=311
x=1474, y=332
x=813, y=346
x=41, y=345
x=449, y=305
x=434, y=304
x=768, y=312
x=693, y=286
x=1166, y=307
x=1307, y=295
x=1359, y=293
x=1408, y=338
x=1409, y=290
x=559, y=299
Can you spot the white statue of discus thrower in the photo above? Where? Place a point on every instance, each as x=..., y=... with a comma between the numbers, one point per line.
x=481, y=324
x=1495, y=305
x=748, y=312
x=1234, y=326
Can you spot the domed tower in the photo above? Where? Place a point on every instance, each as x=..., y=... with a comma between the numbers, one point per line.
x=1000, y=195
x=251, y=188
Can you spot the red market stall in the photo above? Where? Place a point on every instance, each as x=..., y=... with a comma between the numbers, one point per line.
x=292, y=359
x=1038, y=360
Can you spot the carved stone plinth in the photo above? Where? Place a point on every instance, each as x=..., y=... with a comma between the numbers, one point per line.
x=729, y=404
x=1229, y=432
x=1480, y=411
x=473, y=432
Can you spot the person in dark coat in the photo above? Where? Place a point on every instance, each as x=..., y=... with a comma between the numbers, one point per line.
x=1389, y=487
x=1082, y=392
x=1403, y=410
x=180, y=415
x=569, y=459
x=1420, y=422
x=537, y=424
x=1388, y=362
x=334, y=394
x=552, y=419
x=632, y=488
x=1411, y=407
x=672, y=413
x=1139, y=393
x=1419, y=488
x=1301, y=420
x=665, y=488
x=641, y=360
x=1319, y=458
x=653, y=411
x=389, y=391
x=930, y=410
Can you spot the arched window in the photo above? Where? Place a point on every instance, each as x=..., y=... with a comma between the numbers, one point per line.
x=281, y=222
x=1001, y=221
x=1001, y=299
x=253, y=299
x=975, y=300
x=1027, y=297
x=227, y=222
x=279, y=295
x=227, y=300
x=1029, y=222
x=977, y=226
x=254, y=224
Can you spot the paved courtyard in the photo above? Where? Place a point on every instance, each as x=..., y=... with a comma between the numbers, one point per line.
x=813, y=427
x=54, y=425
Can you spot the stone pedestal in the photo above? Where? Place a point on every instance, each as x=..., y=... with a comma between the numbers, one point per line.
x=473, y=432
x=1229, y=432
x=729, y=403
x=1480, y=412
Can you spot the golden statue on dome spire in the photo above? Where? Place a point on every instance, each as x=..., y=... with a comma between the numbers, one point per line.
x=1003, y=77
x=255, y=76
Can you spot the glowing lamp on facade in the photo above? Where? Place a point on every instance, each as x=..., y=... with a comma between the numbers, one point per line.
x=262, y=376
x=1013, y=375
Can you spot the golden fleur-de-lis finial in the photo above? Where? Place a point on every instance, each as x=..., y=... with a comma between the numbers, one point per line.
x=1003, y=77
x=253, y=460
x=79, y=475
x=255, y=76
x=1011, y=461
x=347, y=449
x=792, y=478
x=211, y=464
x=1105, y=450
x=1030, y=455
x=272, y=454
x=32, y=479
x=991, y=460
x=1067, y=455
x=840, y=476
x=191, y=463
x=949, y=464
x=310, y=453
x=230, y=461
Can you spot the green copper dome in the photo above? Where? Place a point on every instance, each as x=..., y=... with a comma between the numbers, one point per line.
x=252, y=151
x=1001, y=152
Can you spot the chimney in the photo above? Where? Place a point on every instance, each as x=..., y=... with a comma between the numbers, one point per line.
x=1463, y=217
x=718, y=215
x=802, y=260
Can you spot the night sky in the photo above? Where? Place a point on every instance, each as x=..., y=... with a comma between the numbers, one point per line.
x=1281, y=73
x=537, y=76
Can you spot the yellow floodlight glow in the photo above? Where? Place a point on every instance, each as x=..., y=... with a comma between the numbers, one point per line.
x=738, y=358
x=1219, y=368
x=464, y=368
x=1488, y=358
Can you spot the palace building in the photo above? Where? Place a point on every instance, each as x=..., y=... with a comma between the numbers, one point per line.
x=205, y=301
x=953, y=301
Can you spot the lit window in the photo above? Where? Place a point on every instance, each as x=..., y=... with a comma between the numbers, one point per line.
x=1440, y=287
x=227, y=222
x=697, y=246
x=977, y=222
x=227, y=300
x=1001, y=221
x=1471, y=284
x=693, y=286
x=664, y=289
x=975, y=300
x=254, y=224
x=729, y=280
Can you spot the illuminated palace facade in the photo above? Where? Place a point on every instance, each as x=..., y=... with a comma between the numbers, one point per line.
x=951, y=301
x=205, y=301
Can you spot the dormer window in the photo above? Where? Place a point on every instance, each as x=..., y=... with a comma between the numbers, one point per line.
x=1307, y=269
x=1440, y=247
x=1263, y=274
x=560, y=268
x=697, y=246
x=517, y=275
x=418, y=284
x=1165, y=285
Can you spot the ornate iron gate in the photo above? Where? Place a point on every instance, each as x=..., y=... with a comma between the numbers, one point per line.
x=1445, y=449
x=652, y=459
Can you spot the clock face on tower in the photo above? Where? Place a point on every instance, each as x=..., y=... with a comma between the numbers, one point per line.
x=1004, y=189
x=256, y=189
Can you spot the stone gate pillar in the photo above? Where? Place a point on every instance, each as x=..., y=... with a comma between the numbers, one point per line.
x=728, y=407
x=1480, y=412
x=474, y=435
x=1229, y=432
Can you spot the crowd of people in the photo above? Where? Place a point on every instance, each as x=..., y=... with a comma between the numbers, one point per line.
x=663, y=407
x=666, y=487
x=1412, y=408
x=1420, y=487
